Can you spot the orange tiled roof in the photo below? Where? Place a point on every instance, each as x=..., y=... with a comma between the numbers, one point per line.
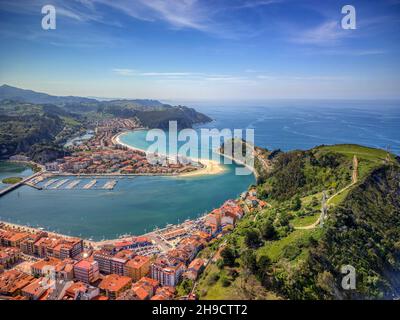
x=77, y=286
x=13, y=280
x=141, y=292
x=35, y=287
x=137, y=262
x=152, y=282
x=46, y=262
x=84, y=264
x=196, y=264
x=114, y=282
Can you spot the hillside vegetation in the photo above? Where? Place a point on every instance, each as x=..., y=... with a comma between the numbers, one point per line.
x=151, y=113
x=284, y=250
x=26, y=128
x=38, y=124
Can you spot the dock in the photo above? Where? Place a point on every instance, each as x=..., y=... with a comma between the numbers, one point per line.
x=73, y=184
x=33, y=185
x=36, y=180
x=17, y=185
x=90, y=184
x=109, y=185
x=59, y=184
x=50, y=182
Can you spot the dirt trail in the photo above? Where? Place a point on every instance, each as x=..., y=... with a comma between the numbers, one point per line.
x=354, y=180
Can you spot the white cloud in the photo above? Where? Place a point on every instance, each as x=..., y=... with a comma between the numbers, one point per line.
x=327, y=33
x=255, y=4
x=167, y=74
x=248, y=77
x=124, y=72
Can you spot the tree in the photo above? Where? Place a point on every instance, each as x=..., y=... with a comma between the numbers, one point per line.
x=264, y=263
x=228, y=255
x=249, y=260
x=263, y=269
x=268, y=231
x=225, y=281
x=220, y=264
x=186, y=286
x=314, y=201
x=296, y=205
x=326, y=282
x=252, y=238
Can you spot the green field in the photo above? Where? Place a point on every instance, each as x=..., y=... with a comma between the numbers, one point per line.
x=275, y=249
x=304, y=221
x=11, y=180
x=208, y=289
x=368, y=158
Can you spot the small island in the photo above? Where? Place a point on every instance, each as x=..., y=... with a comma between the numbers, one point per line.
x=11, y=180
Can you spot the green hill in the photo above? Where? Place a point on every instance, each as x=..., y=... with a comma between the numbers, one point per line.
x=27, y=128
x=284, y=252
x=38, y=124
x=152, y=113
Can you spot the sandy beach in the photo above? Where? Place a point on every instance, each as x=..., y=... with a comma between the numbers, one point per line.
x=210, y=167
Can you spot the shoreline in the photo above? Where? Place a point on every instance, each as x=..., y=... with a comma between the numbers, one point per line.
x=35, y=230
x=89, y=241
x=251, y=169
x=210, y=167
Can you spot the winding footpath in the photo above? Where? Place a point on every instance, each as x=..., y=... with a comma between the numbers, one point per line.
x=354, y=179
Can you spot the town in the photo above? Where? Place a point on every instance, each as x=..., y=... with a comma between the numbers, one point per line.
x=103, y=154
x=38, y=265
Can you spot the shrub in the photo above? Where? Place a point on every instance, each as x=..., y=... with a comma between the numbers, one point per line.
x=225, y=281
x=252, y=238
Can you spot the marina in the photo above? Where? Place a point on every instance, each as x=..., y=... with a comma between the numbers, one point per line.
x=50, y=182
x=91, y=184
x=47, y=181
x=140, y=203
x=109, y=185
x=73, y=184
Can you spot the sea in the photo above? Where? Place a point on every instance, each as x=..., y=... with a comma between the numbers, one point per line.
x=139, y=205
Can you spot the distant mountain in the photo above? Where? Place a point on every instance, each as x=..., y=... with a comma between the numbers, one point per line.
x=37, y=124
x=152, y=113
x=36, y=130
x=22, y=95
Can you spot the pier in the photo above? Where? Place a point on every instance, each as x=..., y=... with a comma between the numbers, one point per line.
x=73, y=184
x=50, y=182
x=33, y=185
x=90, y=185
x=59, y=184
x=36, y=180
x=109, y=185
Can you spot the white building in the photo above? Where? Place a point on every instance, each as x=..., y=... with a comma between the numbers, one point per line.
x=52, y=166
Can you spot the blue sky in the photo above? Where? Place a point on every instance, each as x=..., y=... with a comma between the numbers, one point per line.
x=211, y=49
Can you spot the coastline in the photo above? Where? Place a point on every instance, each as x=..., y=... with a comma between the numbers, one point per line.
x=96, y=243
x=36, y=230
x=251, y=169
x=210, y=167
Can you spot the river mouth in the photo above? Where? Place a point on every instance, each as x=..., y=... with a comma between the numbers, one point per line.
x=135, y=206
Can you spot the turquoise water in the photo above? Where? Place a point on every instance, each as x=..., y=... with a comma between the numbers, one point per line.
x=138, y=205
